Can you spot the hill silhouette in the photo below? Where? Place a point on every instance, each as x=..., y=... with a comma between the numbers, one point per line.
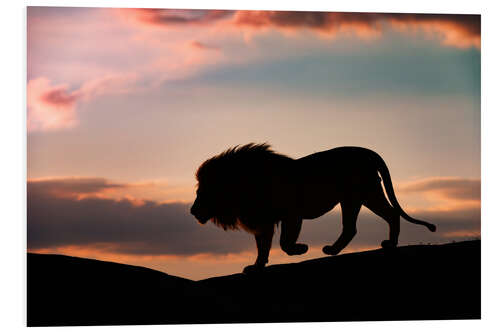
x=419, y=282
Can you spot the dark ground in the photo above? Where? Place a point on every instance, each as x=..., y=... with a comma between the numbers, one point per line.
x=410, y=283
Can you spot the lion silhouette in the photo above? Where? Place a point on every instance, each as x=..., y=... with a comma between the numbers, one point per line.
x=254, y=188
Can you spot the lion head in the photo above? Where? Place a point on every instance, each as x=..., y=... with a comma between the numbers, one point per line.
x=233, y=186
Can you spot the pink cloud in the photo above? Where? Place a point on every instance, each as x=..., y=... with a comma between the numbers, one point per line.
x=59, y=97
x=108, y=85
x=50, y=107
x=53, y=108
x=203, y=46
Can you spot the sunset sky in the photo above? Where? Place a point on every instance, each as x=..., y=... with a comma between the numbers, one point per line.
x=125, y=104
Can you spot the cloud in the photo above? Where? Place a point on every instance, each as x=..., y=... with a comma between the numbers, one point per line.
x=53, y=107
x=327, y=23
x=174, y=17
x=160, y=191
x=50, y=107
x=463, y=234
x=76, y=57
x=203, y=46
x=108, y=85
x=63, y=214
x=118, y=226
x=454, y=30
x=71, y=187
x=462, y=31
x=59, y=97
x=451, y=189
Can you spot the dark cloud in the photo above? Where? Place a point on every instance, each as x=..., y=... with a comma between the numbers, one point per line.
x=329, y=21
x=326, y=21
x=315, y=20
x=168, y=17
x=467, y=24
x=449, y=188
x=121, y=226
x=455, y=30
x=70, y=187
x=155, y=229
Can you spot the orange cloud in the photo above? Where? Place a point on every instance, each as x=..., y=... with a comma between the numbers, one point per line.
x=462, y=31
x=107, y=251
x=160, y=191
x=78, y=188
x=198, y=266
x=50, y=107
x=101, y=251
x=463, y=234
x=453, y=30
x=445, y=194
x=448, y=188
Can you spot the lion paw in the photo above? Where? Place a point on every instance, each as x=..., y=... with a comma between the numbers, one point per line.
x=253, y=269
x=387, y=244
x=300, y=248
x=330, y=250
x=296, y=249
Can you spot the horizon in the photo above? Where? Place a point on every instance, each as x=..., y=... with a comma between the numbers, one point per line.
x=125, y=104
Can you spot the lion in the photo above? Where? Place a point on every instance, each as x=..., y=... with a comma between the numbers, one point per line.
x=254, y=188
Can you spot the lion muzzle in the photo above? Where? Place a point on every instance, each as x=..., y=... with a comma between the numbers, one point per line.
x=201, y=220
x=198, y=215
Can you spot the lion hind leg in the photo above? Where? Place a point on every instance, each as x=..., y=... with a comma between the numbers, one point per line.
x=350, y=211
x=290, y=230
x=378, y=204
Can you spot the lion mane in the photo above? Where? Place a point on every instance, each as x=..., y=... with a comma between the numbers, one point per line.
x=240, y=180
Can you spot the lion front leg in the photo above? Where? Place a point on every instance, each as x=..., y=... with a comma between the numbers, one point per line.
x=264, y=241
x=290, y=230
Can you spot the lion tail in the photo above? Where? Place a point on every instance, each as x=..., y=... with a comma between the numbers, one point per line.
x=386, y=177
